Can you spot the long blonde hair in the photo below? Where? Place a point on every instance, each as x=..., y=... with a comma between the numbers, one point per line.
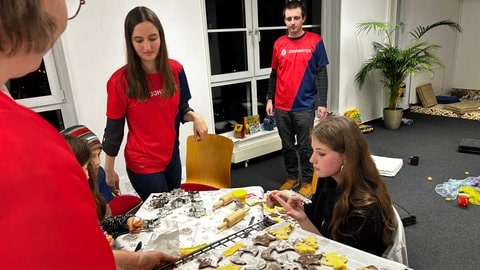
x=361, y=183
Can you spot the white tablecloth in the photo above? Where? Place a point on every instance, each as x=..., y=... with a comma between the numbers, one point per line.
x=179, y=230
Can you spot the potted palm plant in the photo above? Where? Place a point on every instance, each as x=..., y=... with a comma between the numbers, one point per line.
x=395, y=63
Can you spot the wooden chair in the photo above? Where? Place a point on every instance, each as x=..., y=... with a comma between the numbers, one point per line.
x=209, y=161
x=314, y=182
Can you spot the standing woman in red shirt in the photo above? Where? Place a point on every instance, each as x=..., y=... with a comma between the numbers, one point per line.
x=151, y=93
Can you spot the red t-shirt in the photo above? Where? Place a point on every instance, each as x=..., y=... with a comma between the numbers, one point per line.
x=296, y=61
x=48, y=216
x=152, y=124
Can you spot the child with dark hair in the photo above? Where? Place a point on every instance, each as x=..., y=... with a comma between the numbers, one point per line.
x=113, y=225
x=82, y=132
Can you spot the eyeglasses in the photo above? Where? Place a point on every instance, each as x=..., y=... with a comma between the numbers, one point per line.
x=80, y=3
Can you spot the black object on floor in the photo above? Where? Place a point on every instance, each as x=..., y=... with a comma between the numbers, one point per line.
x=407, y=217
x=469, y=145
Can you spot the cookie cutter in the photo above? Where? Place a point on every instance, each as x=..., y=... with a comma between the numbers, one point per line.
x=197, y=212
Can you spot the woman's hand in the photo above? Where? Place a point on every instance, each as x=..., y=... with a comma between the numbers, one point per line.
x=153, y=259
x=143, y=260
x=111, y=176
x=200, y=128
x=135, y=224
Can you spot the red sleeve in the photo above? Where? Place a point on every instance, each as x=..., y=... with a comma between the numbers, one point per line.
x=117, y=95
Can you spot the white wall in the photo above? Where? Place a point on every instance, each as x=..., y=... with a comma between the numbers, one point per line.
x=94, y=48
x=354, y=49
x=421, y=14
x=467, y=64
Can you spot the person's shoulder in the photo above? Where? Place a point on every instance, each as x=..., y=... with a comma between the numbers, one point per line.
x=282, y=38
x=6, y=96
x=119, y=77
x=119, y=73
x=281, y=41
x=313, y=35
x=175, y=65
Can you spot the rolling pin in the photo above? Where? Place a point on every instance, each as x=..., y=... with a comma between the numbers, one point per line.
x=233, y=218
x=224, y=200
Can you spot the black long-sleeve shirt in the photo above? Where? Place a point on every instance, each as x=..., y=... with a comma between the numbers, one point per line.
x=320, y=212
x=116, y=225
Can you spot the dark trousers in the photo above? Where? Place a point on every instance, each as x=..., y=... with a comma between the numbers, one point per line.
x=291, y=126
x=145, y=184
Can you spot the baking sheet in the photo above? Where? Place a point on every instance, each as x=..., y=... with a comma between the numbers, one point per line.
x=287, y=259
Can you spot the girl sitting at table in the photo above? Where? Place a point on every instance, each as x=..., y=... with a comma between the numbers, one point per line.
x=351, y=204
x=118, y=224
x=113, y=225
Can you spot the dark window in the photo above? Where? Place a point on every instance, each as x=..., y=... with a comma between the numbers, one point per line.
x=34, y=84
x=225, y=14
x=266, y=46
x=55, y=118
x=262, y=86
x=230, y=104
x=228, y=52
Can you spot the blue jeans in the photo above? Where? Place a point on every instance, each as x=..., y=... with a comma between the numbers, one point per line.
x=145, y=184
x=299, y=124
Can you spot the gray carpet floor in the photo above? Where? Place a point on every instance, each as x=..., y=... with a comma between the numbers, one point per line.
x=445, y=236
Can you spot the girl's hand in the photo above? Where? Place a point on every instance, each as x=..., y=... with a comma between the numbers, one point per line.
x=292, y=205
x=272, y=197
x=110, y=239
x=271, y=201
x=135, y=224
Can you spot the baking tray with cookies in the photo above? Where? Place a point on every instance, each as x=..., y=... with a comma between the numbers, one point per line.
x=283, y=245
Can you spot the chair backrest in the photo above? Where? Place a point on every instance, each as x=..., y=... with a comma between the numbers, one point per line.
x=124, y=204
x=209, y=161
x=398, y=251
x=314, y=182
x=197, y=187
